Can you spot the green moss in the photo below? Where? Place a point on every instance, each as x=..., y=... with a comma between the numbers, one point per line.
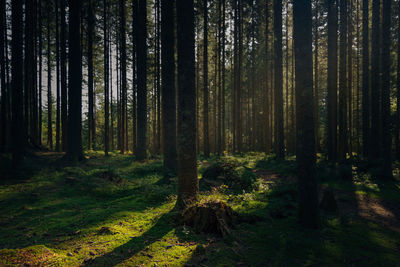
x=114, y=212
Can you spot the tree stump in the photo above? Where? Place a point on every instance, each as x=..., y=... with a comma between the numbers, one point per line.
x=210, y=217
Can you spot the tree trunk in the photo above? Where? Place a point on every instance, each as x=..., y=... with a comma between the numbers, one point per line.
x=49, y=93
x=397, y=133
x=64, y=89
x=168, y=88
x=4, y=93
x=91, y=124
x=134, y=78
x=74, y=148
x=205, y=83
x=141, y=31
x=58, y=112
x=386, y=129
x=343, y=133
x=158, y=80
x=350, y=78
x=188, y=184
x=17, y=130
x=332, y=79
x=223, y=141
x=267, y=105
x=278, y=80
x=305, y=155
x=40, y=52
x=122, y=40
x=375, y=147
x=316, y=75
x=106, y=81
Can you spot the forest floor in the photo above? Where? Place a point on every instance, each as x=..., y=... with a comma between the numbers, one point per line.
x=115, y=211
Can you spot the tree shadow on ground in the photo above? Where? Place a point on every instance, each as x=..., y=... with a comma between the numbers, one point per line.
x=276, y=239
x=69, y=208
x=136, y=244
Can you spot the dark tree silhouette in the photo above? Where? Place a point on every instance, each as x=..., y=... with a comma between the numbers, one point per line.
x=386, y=128
x=17, y=127
x=122, y=44
x=106, y=81
x=305, y=152
x=168, y=88
x=343, y=89
x=49, y=92
x=188, y=184
x=91, y=119
x=365, y=79
x=206, y=143
x=332, y=80
x=74, y=148
x=374, y=147
x=278, y=81
x=141, y=37
x=3, y=100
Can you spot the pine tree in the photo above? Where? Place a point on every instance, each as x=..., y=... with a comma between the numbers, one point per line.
x=188, y=185
x=122, y=40
x=205, y=82
x=74, y=148
x=365, y=79
x=3, y=100
x=386, y=120
x=17, y=127
x=332, y=79
x=63, y=69
x=141, y=33
x=278, y=81
x=168, y=88
x=305, y=153
x=49, y=92
x=90, y=33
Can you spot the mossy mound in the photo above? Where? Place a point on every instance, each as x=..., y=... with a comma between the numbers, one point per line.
x=233, y=175
x=214, y=217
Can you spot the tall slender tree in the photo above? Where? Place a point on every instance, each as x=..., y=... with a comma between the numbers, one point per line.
x=374, y=147
x=91, y=119
x=40, y=53
x=332, y=79
x=316, y=72
x=386, y=128
x=365, y=79
x=206, y=141
x=223, y=41
x=30, y=74
x=168, y=88
x=278, y=81
x=106, y=81
x=397, y=132
x=17, y=127
x=49, y=92
x=122, y=36
x=58, y=93
x=134, y=78
x=3, y=100
x=141, y=38
x=188, y=184
x=343, y=88
x=74, y=148
x=63, y=69
x=305, y=152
